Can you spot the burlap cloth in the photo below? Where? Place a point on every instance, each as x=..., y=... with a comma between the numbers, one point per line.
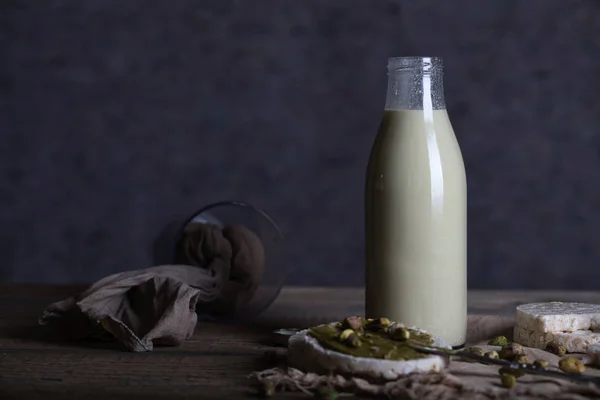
x=221, y=269
x=462, y=380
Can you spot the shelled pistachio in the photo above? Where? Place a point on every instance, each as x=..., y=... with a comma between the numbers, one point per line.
x=378, y=324
x=511, y=351
x=508, y=381
x=355, y=323
x=498, y=341
x=473, y=350
x=557, y=348
x=571, y=365
x=350, y=337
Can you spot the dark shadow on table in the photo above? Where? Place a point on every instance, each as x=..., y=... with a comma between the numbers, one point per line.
x=47, y=336
x=61, y=337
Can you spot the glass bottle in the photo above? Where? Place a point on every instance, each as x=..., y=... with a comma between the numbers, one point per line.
x=415, y=204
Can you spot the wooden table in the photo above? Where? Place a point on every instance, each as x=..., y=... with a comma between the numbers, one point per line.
x=215, y=363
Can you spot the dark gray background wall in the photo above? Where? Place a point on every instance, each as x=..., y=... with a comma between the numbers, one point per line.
x=115, y=115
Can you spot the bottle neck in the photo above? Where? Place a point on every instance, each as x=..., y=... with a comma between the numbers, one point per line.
x=415, y=83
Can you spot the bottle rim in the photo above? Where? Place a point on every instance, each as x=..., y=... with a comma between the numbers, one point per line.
x=414, y=62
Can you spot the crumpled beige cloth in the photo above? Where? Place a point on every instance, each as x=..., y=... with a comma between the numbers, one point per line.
x=433, y=386
x=139, y=308
x=157, y=306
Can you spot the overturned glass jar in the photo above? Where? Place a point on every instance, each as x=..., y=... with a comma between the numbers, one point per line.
x=239, y=245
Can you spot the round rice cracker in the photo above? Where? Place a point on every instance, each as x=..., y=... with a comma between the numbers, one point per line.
x=306, y=353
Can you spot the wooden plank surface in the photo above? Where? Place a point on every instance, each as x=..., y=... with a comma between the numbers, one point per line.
x=214, y=363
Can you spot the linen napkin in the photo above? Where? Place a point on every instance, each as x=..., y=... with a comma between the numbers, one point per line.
x=218, y=271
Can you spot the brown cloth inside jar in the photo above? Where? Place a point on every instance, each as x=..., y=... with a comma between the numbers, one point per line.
x=234, y=254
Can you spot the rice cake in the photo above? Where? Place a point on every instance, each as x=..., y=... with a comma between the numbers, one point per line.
x=574, y=342
x=558, y=316
x=307, y=354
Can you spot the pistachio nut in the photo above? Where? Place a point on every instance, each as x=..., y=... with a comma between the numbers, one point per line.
x=498, y=341
x=350, y=337
x=378, y=324
x=557, y=348
x=353, y=340
x=571, y=365
x=345, y=334
x=473, y=350
x=492, y=354
x=395, y=325
x=354, y=323
x=510, y=351
x=402, y=334
x=508, y=381
x=541, y=363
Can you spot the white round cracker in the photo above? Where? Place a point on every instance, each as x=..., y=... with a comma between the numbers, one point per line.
x=307, y=354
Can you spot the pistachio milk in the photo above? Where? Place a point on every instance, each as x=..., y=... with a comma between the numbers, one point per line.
x=415, y=200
